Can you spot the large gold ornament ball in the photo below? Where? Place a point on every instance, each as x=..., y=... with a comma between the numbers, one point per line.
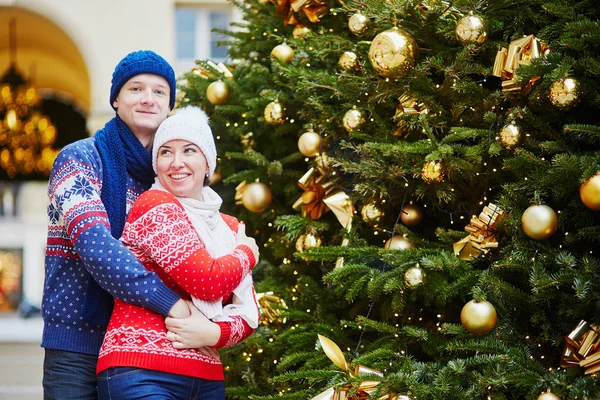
x=309, y=143
x=509, y=136
x=393, y=53
x=283, y=52
x=411, y=215
x=353, y=119
x=358, y=24
x=301, y=31
x=217, y=93
x=348, y=60
x=471, y=29
x=274, y=113
x=548, y=396
x=414, y=276
x=539, y=222
x=257, y=197
x=478, y=317
x=371, y=214
x=432, y=172
x=565, y=93
x=399, y=243
x=589, y=192
x=306, y=241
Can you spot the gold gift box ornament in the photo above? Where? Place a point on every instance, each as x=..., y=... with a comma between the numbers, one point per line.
x=519, y=52
x=482, y=234
x=582, y=348
x=364, y=390
x=313, y=9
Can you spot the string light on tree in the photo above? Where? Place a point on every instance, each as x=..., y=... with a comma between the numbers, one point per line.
x=414, y=276
x=358, y=24
x=539, y=222
x=510, y=136
x=433, y=172
x=589, y=192
x=411, y=215
x=399, y=243
x=353, y=120
x=471, y=29
x=274, y=113
x=565, y=93
x=283, y=52
x=309, y=143
x=478, y=317
x=393, y=53
x=217, y=92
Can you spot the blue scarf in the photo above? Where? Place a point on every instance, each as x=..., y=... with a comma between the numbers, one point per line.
x=121, y=153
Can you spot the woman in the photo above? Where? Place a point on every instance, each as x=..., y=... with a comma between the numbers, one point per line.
x=176, y=230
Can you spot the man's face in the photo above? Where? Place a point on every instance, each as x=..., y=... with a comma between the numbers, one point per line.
x=143, y=103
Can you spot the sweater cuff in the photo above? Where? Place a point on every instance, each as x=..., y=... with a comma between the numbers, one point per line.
x=250, y=255
x=162, y=300
x=225, y=334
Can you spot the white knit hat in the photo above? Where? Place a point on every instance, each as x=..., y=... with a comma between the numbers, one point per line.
x=189, y=123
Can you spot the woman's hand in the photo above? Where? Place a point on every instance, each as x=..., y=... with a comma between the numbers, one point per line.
x=193, y=332
x=241, y=238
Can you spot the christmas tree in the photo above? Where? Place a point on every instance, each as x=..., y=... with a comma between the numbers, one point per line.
x=423, y=177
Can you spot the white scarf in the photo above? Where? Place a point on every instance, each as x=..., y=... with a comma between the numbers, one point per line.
x=219, y=240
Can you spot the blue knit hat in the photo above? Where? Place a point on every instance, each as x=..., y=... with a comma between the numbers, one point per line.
x=142, y=62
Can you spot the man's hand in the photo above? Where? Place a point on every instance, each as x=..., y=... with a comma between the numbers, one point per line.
x=192, y=332
x=180, y=310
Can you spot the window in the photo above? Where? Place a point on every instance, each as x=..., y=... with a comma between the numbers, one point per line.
x=194, y=37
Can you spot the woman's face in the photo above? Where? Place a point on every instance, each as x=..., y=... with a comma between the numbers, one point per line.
x=181, y=168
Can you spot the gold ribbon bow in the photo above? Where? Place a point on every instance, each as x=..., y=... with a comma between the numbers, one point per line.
x=482, y=233
x=519, y=52
x=313, y=9
x=582, y=348
x=363, y=390
x=208, y=70
x=271, y=307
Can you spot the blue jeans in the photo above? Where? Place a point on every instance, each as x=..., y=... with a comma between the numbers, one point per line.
x=128, y=383
x=69, y=375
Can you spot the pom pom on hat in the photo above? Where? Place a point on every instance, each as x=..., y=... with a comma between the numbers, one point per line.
x=142, y=62
x=188, y=123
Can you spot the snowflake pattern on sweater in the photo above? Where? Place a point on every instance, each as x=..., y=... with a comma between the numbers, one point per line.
x=159, y=232
x=80, y=247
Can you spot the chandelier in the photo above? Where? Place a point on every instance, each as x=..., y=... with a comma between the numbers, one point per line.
x=26, y=135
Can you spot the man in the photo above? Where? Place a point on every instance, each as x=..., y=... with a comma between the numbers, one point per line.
x=92, y=185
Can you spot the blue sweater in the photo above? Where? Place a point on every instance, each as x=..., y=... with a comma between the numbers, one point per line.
x=80, y=247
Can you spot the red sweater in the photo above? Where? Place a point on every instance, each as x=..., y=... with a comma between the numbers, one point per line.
x=160, y=234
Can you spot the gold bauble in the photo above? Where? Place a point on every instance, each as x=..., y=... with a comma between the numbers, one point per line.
x=432, y=172
x=283, y=53
x=353, y=119
x=539, y=222
x=309, y=143
x=589, y=192
x=411, y=215
x=478, y=317
x=348, y=61
x=274, y=114
x=399, y=243
x=256, y=197
x=371, y=214
x=548, y=396
x=471, y=29
x=358, y=24
x=301, y=31
x=565, y=93
x=393, y=53
x=509, y=136
x=306, y=241
x=217, y=92
x=414, y=276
